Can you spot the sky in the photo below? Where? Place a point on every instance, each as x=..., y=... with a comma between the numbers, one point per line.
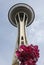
x=8, y=33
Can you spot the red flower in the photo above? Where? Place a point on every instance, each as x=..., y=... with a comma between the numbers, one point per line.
x=28, y=55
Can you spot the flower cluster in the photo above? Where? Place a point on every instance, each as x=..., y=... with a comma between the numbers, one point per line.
x=28, y=55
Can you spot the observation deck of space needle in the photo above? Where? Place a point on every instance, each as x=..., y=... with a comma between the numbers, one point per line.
x=21, y=16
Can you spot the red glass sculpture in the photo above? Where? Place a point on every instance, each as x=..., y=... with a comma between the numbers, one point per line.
x=28, y=55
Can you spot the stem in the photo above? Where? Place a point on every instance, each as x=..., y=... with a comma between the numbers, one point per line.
x=21, y=32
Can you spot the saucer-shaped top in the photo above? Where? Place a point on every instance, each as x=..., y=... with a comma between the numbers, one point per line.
x=21, y=8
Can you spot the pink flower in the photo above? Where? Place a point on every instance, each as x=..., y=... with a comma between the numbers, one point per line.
x=28, y=55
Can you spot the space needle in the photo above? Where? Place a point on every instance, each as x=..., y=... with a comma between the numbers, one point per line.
x=21, y=16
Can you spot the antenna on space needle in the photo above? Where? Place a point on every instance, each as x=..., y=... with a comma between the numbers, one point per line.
x=21, y=15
